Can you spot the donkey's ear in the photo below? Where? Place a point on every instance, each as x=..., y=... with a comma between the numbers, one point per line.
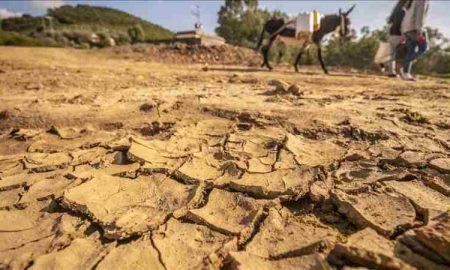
x=350, y=10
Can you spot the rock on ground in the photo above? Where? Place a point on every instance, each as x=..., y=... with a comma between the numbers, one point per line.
x=247, y=261
x=139, y=255
x=427, y=247
x=383, y=212
x=126, y=207
x=284, y=235
x=217, y=215
x=186, y=245
x=427, y=201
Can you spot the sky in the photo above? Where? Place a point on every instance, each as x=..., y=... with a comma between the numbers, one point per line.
x=177, y=15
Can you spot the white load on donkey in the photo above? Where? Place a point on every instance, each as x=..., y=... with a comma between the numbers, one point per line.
x=307, y=23
x=304, y=25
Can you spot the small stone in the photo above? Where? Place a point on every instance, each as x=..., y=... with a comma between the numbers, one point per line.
x=319, y=192
x=4, y=114
x=278, y=83
x=428, y=202
x=382, y=212
x=427, y=247
x=34, y=86
x=146, y=107
x=411, y=159
x=280, y=89
x=294, y=90
x=441, y=164
x=250, y=80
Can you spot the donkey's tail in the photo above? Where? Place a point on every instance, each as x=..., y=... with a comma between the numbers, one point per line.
x=261, y=38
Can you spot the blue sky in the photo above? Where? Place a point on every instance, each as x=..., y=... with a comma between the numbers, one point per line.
x=176, y=15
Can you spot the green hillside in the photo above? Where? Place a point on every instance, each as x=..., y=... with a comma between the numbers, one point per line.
x=74, y=26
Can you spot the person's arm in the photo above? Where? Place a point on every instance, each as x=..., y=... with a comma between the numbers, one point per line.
x=394, y=13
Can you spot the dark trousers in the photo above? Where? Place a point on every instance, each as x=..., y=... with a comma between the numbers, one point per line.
x=414, y=49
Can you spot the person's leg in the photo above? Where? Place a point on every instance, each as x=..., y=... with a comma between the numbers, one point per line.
x=391, y=63
x=411, y=54
x=394, y=41
x=392, y=69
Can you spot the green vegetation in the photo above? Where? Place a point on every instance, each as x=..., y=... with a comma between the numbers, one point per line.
x=80, y=26
x=18, y=39
x=241, y=21
x=136, y=33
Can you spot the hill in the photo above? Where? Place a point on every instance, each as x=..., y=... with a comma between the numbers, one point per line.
x=74, y=26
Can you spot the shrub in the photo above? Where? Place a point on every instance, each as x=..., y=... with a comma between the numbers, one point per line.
x=84, y=45
x=18, y=39
x=355, y=53
x=136, y=33
x=434, y=61
x=105, y=40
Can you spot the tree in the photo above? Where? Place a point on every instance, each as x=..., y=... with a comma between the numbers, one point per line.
x=240, y=22
x=136, y=33
x=436, y=38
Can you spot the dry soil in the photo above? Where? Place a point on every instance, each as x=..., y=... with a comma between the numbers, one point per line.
x=110, y=162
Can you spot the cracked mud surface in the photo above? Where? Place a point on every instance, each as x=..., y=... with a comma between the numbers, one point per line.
x=108, y=163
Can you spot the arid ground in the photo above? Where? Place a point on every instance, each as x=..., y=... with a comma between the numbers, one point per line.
x=111, y=162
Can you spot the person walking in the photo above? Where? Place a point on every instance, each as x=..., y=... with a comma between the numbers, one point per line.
x=412, y=29
x=395, y=35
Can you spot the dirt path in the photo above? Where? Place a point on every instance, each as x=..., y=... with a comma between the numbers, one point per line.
x=113, y=163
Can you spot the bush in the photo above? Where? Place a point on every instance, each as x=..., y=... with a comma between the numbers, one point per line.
x=357, y=54
x=136, y=33
x=18, y=39
x=84, y=45
x=121, y=39
x=105, y=40
x=434, y=61
x=26, y=24
x=79, y=36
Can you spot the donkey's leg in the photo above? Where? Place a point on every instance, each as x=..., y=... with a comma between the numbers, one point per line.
x=266, y=52
x=319, y=54
x=263, y=52
x=297, y=59
x=281, y=53
x=305, y=46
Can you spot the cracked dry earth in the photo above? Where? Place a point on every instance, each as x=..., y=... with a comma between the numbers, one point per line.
x=108, y=163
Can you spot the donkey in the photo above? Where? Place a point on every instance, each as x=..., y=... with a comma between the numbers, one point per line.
x=283, y=31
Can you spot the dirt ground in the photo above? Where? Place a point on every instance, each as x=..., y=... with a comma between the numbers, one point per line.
x=114, y=163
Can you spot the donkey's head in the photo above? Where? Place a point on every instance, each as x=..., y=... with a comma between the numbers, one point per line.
x=344, y=27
